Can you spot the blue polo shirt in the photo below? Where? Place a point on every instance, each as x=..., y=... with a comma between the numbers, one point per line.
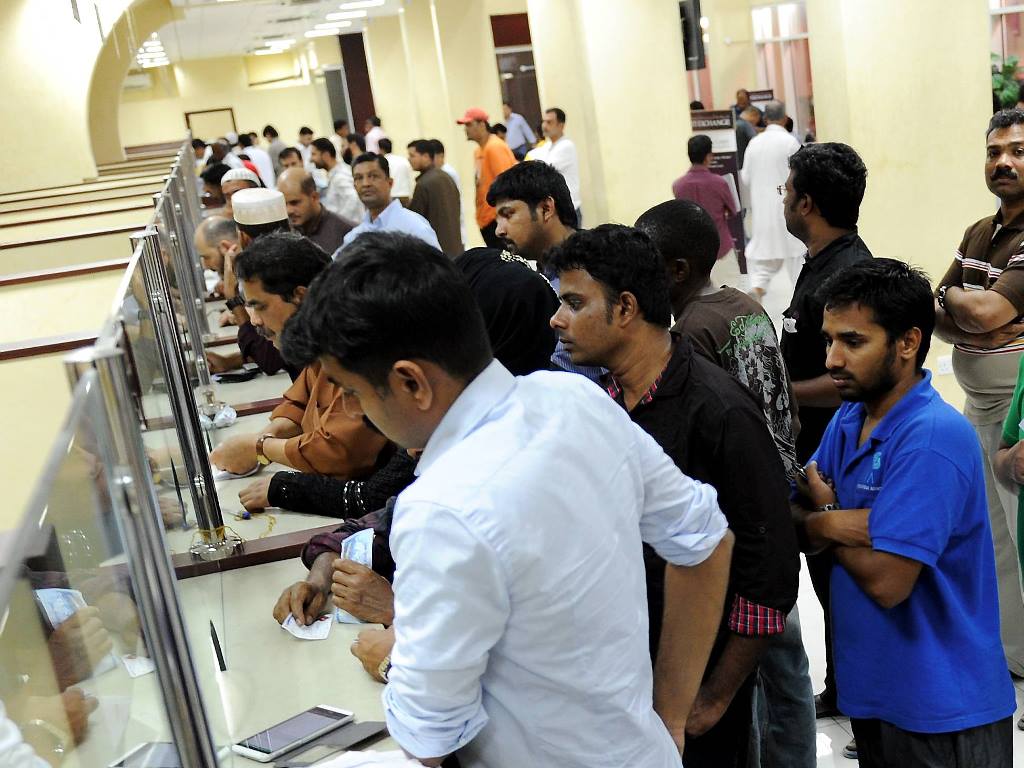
x=934, y=663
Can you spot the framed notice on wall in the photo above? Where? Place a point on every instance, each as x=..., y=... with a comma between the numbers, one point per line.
x=720, y=127
x=211, y=124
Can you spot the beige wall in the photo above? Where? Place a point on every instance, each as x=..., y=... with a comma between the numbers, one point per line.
x=925, y=165
x=158, y=113
x=730, y=50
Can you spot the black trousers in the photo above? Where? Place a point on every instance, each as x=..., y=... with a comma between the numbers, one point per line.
x=883, y=745
x=726, y=744
x=490, y=238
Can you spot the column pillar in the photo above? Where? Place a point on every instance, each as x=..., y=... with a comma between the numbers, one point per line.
x=731, y=54
x=388, y=64
x=628, y=115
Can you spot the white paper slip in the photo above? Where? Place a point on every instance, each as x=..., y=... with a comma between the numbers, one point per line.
x=138, y=666
x=318, y=630
x=359, y=549
x=223, y=474
x=59, y=605
x=391, y=759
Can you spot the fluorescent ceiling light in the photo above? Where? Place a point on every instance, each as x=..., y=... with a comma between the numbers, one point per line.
x=266, y=52
x=154, y=36
x=144, y=56
x=321, y=33
x=361, y=4
x=334, y=25
x=160, y=63
x=346, y=15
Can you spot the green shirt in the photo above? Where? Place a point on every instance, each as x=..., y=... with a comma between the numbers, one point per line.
x=1013, y=431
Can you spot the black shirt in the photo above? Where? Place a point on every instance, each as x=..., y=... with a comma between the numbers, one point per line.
x=714, y=430
x=803, y=347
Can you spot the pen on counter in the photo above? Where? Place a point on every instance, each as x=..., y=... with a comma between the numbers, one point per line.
x=217, y=648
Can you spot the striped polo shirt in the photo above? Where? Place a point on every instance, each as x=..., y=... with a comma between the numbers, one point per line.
x=990, y=258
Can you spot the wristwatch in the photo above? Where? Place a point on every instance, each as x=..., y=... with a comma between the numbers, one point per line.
x=828, y=507
x=384, y=668
x=234, y=302
x=261, y=457
x=941, y=296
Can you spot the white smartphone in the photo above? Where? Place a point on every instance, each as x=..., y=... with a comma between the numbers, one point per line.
x=294, y=732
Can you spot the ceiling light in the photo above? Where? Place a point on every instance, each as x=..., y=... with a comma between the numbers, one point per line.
x=361, y=4
x=154, y=36
x=321, y=33
x=157, y=63
x=143, y=56
x=266, y=52
x=346, y=15
x=705, y=22
x=334, y=25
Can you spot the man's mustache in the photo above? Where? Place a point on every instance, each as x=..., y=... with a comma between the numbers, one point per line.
x=1004, y=173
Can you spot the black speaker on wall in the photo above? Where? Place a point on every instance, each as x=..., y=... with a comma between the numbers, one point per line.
x=693, y=35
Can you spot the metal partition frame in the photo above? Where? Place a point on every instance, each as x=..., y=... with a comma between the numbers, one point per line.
x=185, y=410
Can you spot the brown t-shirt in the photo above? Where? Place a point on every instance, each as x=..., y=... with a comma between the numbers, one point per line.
x=990, y=257
x=332, y=442
x=734, y=332
x=436, y=198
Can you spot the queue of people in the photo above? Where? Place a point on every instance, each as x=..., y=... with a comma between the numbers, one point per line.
x=589, y=472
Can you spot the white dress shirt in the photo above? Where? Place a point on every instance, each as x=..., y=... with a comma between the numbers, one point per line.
x=401, y=172
x=561, y=155
x=520, y=594
x=373, y=137
x=15, y=753
x=395, y=218
x=340, y=197
x=765, y=169
x=263, y=163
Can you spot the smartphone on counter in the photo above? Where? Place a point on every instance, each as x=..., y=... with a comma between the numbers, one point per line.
x=291, y=733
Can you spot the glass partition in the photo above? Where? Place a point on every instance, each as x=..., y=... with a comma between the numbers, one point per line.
x=86, y=672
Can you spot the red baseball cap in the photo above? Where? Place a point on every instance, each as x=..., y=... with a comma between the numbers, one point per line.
x=473, y=113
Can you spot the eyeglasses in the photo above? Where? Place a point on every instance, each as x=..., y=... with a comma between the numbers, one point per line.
x=781, y=189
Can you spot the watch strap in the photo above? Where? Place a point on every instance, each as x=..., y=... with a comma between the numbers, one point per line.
x=260, y=456
x=941, y=296
x=234, y=302
x=384, y=668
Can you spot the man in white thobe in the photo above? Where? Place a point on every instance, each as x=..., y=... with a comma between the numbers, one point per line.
x=764, y=173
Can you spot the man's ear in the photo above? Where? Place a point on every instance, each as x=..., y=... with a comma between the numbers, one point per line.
x=547, y=208
x=628, y=309
x=909, y=343
x=298, y=294
x=409, y=380
x=224, y=246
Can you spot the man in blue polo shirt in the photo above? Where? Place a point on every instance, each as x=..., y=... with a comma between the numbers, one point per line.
x=919, y=664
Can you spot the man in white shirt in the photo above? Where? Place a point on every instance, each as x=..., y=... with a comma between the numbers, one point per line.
x=372, y=177
x=305, y=145
x=258, y=157
x=764, y=173
x=520, y=631
x=373, y=133
x=340, y=195
x=560, y=152
x=401, y=172
x=220, y=152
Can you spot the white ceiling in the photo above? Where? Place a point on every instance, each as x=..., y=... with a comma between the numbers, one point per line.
x=234, y=27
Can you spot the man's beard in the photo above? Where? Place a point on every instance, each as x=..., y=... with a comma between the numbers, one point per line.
x=881, y=382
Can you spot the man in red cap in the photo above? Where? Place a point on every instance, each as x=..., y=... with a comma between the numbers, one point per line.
x=492, y=157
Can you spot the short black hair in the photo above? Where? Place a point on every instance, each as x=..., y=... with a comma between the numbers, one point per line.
x=698, y=148
x=559, y=114
x=269, y=131
x=287, y=152
x=325, y=145
x=373, y=157
x=198, y=144
x=256, y=231
x=214, y=173
x=899, y=296
x=696, y=105
x=374, y=120
x=305, y=131
x=281, y=261
x=359, y=140
x=245, y=139
x=1004, y=118
x=533, y=182
x=385, y=146
x=499, y=128
x=338, y=124
x=621, y=259
x=834, y=177
x=437, y=145
x=681, y=229
x=423, y=146
x=389, y=297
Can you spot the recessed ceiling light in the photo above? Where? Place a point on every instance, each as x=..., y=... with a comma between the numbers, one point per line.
x=361, y=4
x=334, y=25
x=346, y=15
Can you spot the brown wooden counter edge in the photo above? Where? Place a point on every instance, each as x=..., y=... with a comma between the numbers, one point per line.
x=254, y=552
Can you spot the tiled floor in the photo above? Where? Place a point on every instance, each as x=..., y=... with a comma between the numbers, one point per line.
x=833, y=733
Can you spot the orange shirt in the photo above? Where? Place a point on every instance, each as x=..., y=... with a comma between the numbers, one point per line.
x=492, y=158
x=331, y=443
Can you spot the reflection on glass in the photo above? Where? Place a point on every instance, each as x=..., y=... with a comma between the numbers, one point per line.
x=75, y=674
